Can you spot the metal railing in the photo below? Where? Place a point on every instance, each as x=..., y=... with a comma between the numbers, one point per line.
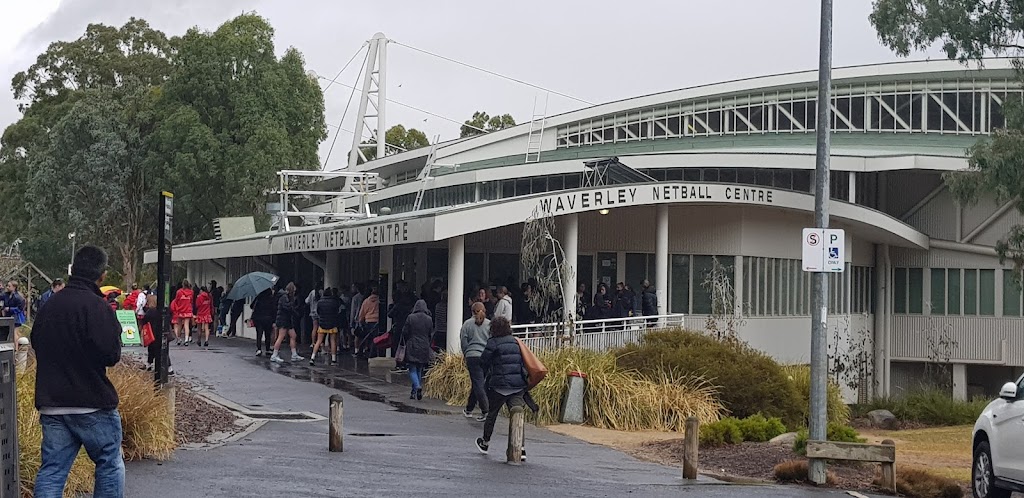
x=595, y=335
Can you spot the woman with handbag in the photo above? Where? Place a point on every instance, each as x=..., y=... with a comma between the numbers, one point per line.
x=507, y=377
x=414, y=348
x=288, y=316
x=150, y=319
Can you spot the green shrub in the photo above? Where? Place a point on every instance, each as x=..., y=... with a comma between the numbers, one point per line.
x=759, y=429
x=929, y=407
x=836, y=432
x=749, y=381
x=725, y=431
x=800, y=376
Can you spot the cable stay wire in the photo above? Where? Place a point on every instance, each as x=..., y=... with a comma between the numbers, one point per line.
x=349, y=102
x=424, y=111
x=493, y=73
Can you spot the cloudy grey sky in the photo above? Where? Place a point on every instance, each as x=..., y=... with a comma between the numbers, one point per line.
x=598, y=51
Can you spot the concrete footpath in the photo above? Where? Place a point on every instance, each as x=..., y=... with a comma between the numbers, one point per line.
x=392, y=445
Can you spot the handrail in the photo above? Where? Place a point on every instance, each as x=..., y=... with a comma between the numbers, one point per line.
x=602, y=325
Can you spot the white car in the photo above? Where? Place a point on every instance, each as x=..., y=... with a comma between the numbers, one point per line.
x=998, y=468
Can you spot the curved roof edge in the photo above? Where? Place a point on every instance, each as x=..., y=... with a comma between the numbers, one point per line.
x=707, y=90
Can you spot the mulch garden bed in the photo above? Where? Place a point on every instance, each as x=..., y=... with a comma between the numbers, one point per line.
x=195, y=419
x=753, y=460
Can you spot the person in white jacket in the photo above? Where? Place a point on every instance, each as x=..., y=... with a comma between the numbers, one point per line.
x=504, y=306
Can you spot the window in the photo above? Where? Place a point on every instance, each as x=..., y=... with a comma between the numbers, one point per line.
x=987, y=292
x=970, y=292
x=1012, y=304
x=952, y=291
x=938, y=291
x=899, y=291
x=916, y=280
x=680, y=295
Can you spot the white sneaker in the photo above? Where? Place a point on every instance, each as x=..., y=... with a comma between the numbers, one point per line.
x=276, y=358
x=296, y=357
x=467, y=414
x=259, y=352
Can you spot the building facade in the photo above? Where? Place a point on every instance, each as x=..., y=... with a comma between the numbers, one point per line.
x=718, y=174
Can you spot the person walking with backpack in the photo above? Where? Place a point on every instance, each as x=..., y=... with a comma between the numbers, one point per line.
x=416, y=336
x=76, y=338
x=473, y=336
x=506, y=377
x=13, y=305
x=329, y=324
x=288, y=316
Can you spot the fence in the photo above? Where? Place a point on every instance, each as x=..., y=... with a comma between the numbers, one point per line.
x=595, y=335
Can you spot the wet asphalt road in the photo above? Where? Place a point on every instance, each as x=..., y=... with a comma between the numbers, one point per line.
x=389, y=448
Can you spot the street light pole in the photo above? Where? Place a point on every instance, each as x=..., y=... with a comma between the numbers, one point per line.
x=817, y=424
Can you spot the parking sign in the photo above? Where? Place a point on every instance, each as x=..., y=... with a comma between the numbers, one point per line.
x=824, y=250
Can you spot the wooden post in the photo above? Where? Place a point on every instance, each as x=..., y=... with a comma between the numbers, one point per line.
x=889, y=470
x=336, y=431
x=690, y=441
x=168, y=390
x=514, y=454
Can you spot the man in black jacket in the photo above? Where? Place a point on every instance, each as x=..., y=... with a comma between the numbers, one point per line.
x=76, y=337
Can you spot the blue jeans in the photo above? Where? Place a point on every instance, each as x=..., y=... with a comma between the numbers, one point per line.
x=63, y=437
x=415, y=375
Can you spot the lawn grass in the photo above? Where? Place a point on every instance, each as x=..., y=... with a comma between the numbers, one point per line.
x=945, y=451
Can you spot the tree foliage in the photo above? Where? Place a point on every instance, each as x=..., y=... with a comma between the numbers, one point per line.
x=968, y=30
x=113, y=117
x=234, y=115
x=482, y=121
x=398, y=139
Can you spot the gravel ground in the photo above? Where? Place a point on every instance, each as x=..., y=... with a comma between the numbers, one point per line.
x=754, y=460
x=195, y=419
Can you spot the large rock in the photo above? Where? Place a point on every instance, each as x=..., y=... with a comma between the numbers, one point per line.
x=787, y=439
x=883, y=419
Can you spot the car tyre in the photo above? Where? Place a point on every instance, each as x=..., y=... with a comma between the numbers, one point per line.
x=982, y=476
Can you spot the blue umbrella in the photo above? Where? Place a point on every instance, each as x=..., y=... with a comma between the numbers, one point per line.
x=251, y=285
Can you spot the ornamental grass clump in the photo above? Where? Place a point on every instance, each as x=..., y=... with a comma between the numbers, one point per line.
x=615, y=398
x=147, y=424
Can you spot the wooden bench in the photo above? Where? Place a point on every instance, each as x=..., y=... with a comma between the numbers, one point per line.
x=884, y=454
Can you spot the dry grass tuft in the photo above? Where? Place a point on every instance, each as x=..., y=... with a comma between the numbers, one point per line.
x=919, y=483
x=796, y=471
x=615, y=398
x=838, y=410
x=148, y=428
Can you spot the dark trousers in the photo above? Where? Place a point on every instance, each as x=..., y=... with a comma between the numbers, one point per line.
x=153, y=352
x=478, y=393
x=496, y=401
x=264, y=334
x=234, y=321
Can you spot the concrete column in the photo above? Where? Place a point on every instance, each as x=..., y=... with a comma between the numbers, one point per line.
x=661, y=259
x=960, y=382
x=570, y=244
x=332, y=270
x=880, y=302
x=853, y=187
x=739, y=276
x=456, y=282
x=387, y=265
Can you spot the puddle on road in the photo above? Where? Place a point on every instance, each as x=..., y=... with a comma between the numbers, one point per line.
x=369, y=434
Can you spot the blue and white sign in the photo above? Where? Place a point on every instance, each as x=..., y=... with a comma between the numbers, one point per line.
x=824, y=250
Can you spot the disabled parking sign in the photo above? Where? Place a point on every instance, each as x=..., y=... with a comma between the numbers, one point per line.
x=824, y=250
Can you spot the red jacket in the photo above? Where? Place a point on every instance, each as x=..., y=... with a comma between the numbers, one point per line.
x=131, y=300
x=204, y=304
x=182, y=304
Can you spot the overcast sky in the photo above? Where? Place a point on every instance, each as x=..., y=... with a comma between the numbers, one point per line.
x=597, y=51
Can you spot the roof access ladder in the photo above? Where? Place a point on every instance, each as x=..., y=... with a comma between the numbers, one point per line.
x=536, y=138
x=424, y=176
